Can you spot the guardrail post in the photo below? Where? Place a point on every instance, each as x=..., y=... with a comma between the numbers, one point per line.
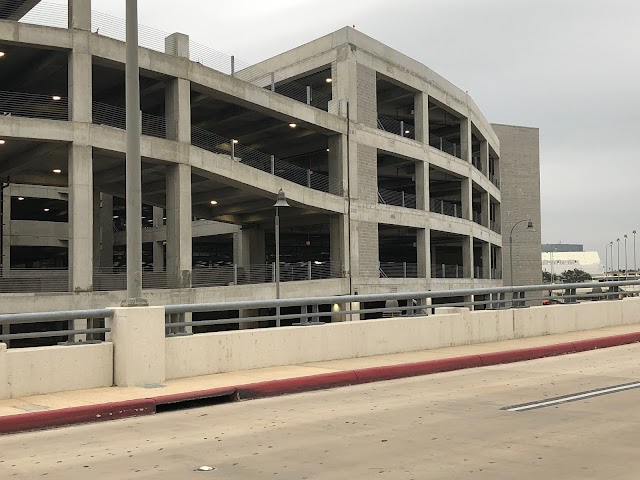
x=273, y=164
x=404, y=269
x=455, y=209
x=403, y=199
x=401, y=128
x=273, y=81
x=273, y=271
x=235, y=274
x=444, y=275
x=309, y=178
x=233, y=149
x=233, y=66
x=309, y=270
x=457, y=271
x=308, y=95
x=440, y=143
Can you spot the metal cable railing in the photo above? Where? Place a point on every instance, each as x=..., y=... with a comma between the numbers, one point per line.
x=437, y=205
x=477, y=218
x=32, y=105
x=397, y=127
x=445, y=145
x=400, y=199
x=398, y=270
x=477, y=162
x=494, y=179
x=447, y=271
x=495, y=226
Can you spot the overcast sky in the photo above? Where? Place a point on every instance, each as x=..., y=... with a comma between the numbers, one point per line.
x=569, y=67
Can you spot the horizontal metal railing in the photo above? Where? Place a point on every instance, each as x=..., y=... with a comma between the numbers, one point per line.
x=309, y=310
x=400, y=199
x=54, y=325
x=437, y=205
x=32, y=105
x=32, y=280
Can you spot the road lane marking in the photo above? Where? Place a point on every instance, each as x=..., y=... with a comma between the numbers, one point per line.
x=571, y=398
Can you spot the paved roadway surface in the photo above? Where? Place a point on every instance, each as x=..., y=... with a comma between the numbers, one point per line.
x=445, y=426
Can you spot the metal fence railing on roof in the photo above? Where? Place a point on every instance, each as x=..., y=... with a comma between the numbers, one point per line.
x=56, y=15
x=400, y=199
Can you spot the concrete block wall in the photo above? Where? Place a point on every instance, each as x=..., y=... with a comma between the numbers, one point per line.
x=520, y=188
x=368, y=249
x=367, y=98
x=367, y=174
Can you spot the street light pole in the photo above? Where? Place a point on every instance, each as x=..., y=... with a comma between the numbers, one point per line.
x=133, y=160
x=280, y=202
x=606, y=260
x=611, y=245
x=618, y=240
x=529, y=226
x=635, y=264
x=626, y=264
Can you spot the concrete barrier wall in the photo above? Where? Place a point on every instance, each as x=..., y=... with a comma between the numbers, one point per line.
x=34, y=371
x=240, y=350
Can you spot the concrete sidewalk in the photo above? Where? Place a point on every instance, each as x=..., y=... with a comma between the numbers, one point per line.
x=117, y=402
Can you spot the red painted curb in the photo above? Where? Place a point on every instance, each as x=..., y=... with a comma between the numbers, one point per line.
x=606, y=342
x=75, y=415
x=523, y=354
x=189, y=396
x=391, y=372
x=296, y=385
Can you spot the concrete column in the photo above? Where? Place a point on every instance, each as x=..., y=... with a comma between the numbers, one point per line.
x=138, y=336
x=179, y=239
x=339, y=244
x=344, y=86
x=178, y=94
x=486, y=259
x=106, y=231
x=97, y=241
x=158, y=247
x=424, y=253
x=80, y=78
x=421, y=112
x=422, y=186
x=465, y=139
x=80, y=165
x=80, y=15
x=249, y=246
x=485, y=205
x=484, y=157
x=467, y=257
x=467, y=198
x=6, y=230
x=338, y=164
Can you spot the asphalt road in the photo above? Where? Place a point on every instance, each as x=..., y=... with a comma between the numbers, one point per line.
x=445, y=426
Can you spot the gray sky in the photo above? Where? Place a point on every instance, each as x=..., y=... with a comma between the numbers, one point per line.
x=569, y=67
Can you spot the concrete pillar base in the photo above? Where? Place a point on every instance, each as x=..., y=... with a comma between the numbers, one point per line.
x=138, y=346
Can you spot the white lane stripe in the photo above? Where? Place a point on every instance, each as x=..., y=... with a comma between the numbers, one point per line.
x=574, y=397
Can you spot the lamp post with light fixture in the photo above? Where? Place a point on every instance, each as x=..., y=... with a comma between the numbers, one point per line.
x=529, y=227
x=635, y=264
x=626, y=264
x=281, y=202
x=618, y=241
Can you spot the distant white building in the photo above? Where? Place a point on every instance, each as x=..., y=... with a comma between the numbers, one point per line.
x=559, y=262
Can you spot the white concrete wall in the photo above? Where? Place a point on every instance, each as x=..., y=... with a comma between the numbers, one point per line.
x=35, y=371
x=231, y=351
